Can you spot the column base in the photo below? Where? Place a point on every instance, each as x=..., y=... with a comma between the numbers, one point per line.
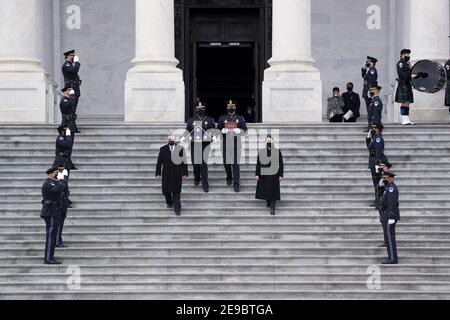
x=292, y=96
x=154, y=97
x=23, y=97
x=429, y=108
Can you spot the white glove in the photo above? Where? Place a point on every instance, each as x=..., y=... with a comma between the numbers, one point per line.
x=72, y=92
x=60, y=176
x=391, y=221
x=213, y=138
x=369, y=134
x=381, y=183
x=65, y=173
x=237, y=131
x=225, y=131
x=76, y=59
x=182, y=139
x=68, y=133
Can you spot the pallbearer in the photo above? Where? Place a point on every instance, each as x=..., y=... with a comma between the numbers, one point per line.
x=390, y=215
x=269, y=174
x=172, y=169
x=52, y=193
x=200, y=138
x=233, y=127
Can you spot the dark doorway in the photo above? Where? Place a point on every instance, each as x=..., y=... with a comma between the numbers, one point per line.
x=223, y=48
x=223, y=73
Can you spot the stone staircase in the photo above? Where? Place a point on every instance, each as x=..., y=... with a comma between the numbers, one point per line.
x=323, y=243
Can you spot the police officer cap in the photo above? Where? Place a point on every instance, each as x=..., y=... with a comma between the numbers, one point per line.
x=200, y=106
x=383, y=163
x=376, y=88
x=405, y=51
x=377, y=126
x=68, y=53
x=51, y=170
x=389, y=175
x=374, y=60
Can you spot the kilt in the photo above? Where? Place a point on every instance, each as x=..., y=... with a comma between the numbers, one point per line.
x=404, y=93
x=447, y=95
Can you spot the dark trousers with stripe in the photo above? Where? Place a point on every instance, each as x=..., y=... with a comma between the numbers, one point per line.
x=389, y=239
x=200, y=163
x=51, y=227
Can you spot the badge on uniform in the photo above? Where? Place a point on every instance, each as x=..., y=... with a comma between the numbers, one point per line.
x=67, y=64
x=372, y=72
x=376, y=103
x=378, y=140
x=391, y=189
x=447, y=67
x=401, y=64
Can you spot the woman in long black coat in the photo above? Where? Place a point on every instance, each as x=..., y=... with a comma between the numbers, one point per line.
x=269, y=174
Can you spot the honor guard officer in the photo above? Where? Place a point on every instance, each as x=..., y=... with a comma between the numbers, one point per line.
x=390, y=215
x=370, y=75
x=70, y=70
x=383, y=167
x=68, y=106
x=63, y=150
x=233, y=127
x=172, y=169
x=200, y=138
x=63, y=179
x=376, y=106
x=404, y=94
x=269, y=174
x=376, y=153
x=447, y=88
x=52, y=193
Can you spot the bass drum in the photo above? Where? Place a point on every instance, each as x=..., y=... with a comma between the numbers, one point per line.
x=433, y=76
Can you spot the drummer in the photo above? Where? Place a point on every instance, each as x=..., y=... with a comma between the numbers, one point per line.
x=404, y=94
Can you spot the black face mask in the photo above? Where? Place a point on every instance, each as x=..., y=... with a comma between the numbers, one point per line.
x=407, y=58
x=171, y=143
x=269, y=145
x=372, y=94
x=350, y=89
x=231, y=110
x=201, y=113
x=368, y=64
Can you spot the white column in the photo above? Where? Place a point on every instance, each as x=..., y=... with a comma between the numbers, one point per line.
x=292, y=89
x=154, y=88
x=22, y=80
x=428, y=37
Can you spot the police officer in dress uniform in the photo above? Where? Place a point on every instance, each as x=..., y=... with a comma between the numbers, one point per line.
x=370, y=75
x=63, y=179
x=68, y=105
x=382, y=167
x=233, y=127
x=52, y=193
x=404, y=94
x=390, y=215
x=70, y=70
x=269, y=174
x=375, y=145
x=198, y=127
x=376, y=106
x=63, y=150
x=172, y=169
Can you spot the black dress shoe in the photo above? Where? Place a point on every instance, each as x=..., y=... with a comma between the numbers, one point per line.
x=78, y=131
x=53, y=262
x=62, y=246
x=382, y=245
x=237, y=189
x=74, y=168
x=272, y=211
x=389, y=262
x=170, y=206
x=229, y=182
x=178, y=213
x=206, y=189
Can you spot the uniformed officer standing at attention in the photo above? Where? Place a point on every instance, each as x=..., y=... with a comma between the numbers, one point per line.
x=375, y=145
x=198, y=127
x=68, y=106
x=404, y=94
x=172, y=169
x=390, y=215
x=70, y=70
x=63, y=179
x=52, y=193
x=376, y=106
x=269, y=174
x=383, y=167
x=233, y=127
x=370, y=75
x=63, y=150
